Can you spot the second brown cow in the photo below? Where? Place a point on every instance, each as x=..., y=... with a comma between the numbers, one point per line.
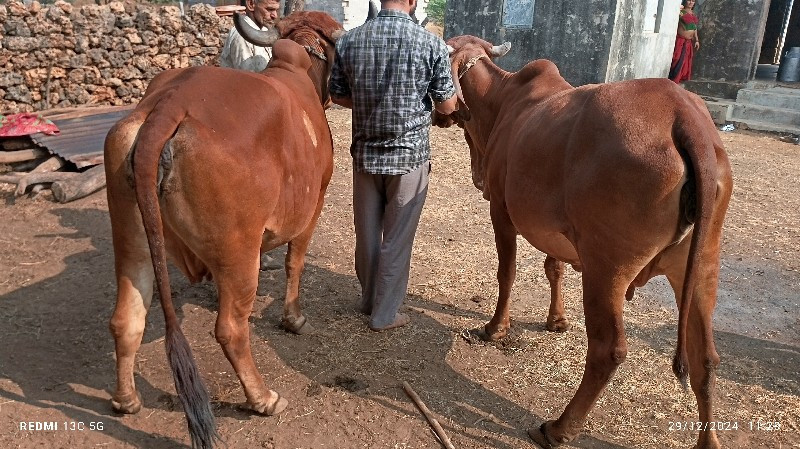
x=625, y=181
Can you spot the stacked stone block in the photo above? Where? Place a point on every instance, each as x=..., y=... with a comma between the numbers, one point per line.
x=61, y=55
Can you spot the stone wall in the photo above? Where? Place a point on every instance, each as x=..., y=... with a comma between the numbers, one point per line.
x=62, y=56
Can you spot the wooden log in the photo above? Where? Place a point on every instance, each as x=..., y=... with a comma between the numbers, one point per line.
x=16, y=143
x=10, y=178
x=84, y=184
x=27, y=166
x=30, y=179
x=53, y=164
x=428, y=415
x=7, y=157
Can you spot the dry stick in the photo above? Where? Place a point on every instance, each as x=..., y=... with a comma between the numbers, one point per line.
x=428, y=415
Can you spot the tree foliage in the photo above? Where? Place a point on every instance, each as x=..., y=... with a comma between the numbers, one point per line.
x=435, y=11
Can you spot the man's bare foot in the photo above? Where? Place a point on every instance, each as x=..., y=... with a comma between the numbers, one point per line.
x=401, y=319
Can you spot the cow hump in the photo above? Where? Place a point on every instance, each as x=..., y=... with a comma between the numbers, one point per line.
x=286, y=51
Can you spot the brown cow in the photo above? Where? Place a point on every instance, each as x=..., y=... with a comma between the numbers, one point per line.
x=212, y=166
x=625, y=181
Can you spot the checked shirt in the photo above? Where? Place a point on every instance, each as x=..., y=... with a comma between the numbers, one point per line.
x=391, y=68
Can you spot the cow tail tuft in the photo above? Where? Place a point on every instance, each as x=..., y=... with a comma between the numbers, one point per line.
x=160, y=126
x=691, y=137
x=191, y=391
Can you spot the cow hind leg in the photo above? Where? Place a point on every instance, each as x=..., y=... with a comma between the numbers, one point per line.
x=556, y=317
x=237, y=284
x=607, y=349
x=703, y=357
x=134, y=274
x=505, y=236
x=293, y=319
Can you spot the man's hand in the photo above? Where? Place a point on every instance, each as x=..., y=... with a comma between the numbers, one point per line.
x=448, y=106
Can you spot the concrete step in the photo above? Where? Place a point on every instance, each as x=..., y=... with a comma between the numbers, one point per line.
x=743, y=112
x=776, y=97
x=719, y=109
x=767, y=126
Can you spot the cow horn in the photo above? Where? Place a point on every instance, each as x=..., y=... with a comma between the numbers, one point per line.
x=373, y=11
x=254, y=36
x=450, y=49
x=500, y=50
x=463, y=111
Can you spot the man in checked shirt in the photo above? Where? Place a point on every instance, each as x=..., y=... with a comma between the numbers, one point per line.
x=391, y=72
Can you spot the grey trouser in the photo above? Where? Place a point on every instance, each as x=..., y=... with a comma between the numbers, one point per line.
x=386, y=211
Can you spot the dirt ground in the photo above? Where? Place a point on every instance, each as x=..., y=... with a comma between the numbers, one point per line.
x=343, y=382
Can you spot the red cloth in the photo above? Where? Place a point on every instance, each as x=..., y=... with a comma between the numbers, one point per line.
x=681, y=68
x=24, y=124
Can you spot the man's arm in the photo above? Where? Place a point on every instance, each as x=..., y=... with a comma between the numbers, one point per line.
x=442, y=90
x=339, y=84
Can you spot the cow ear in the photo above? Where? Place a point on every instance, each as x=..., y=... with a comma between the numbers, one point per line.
x=336, y=35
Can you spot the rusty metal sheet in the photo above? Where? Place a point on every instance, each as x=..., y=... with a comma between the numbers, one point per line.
x=82, y=133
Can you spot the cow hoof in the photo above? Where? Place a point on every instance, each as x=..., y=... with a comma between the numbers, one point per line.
x=128, y=405
x=559, y=325
x=539, y=436
x=299, y=326
x=493, y=335
x=271, y=410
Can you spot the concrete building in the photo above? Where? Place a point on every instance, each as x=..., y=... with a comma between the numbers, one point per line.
x=594, y=41
x=591, y=41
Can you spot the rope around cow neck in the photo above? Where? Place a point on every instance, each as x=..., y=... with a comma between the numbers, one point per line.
x=471, y=63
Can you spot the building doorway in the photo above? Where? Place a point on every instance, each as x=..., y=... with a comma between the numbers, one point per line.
x=780, y=33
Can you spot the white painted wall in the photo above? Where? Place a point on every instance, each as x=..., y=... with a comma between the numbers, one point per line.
x=654, y=52
x=355, y=11
x=641, y=46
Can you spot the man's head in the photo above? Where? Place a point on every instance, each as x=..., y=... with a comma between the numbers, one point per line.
x=263, y=12
x=407, y=6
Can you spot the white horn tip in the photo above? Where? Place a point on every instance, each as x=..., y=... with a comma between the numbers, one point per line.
x=500, y=50
x=450, y=49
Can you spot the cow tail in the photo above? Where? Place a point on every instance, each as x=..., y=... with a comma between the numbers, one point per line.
x=153, y=136
x=691, y=137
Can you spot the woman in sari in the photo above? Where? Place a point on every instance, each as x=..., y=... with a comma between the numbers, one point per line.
x=686, y=42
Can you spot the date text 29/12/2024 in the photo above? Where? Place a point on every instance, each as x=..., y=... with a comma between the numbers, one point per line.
x=757, y=425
